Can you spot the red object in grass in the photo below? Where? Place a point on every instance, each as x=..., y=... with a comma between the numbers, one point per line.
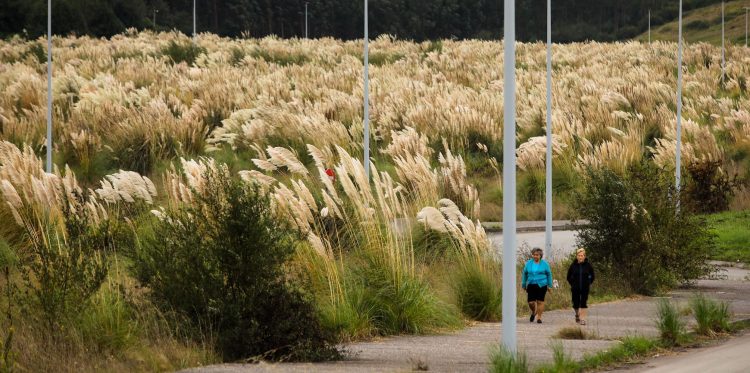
x=330, y=174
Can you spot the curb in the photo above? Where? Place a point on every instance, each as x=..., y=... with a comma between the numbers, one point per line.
x=527, y=227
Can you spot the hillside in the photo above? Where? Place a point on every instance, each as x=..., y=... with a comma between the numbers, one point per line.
x=704, y=24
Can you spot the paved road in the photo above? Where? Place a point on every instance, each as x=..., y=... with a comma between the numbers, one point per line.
x=729, y=357
x=468, y=350
x=563, y=242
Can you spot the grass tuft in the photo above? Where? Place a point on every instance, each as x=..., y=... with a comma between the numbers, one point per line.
x=504, y=361
x=576, y=333
x=671, y=327
x=711, y=316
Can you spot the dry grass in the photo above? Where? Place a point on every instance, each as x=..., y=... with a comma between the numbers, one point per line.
x=575, y=332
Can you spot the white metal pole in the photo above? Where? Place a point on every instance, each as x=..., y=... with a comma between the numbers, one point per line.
x=194, y=33
x=649, y=26
x=722, y=43
x=49, y=86
x=306, y=20
x=548, y=189
x=679, y=104
x=746, y=9
x=509, y=178
x=366, y=159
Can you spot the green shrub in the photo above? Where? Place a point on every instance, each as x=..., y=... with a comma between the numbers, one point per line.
x=219, y=264
x=182, y=52
x=504, y=361
x=671, y=327
x=711, y=316
x=637, y=234
x=709, y=189
x=478, y=292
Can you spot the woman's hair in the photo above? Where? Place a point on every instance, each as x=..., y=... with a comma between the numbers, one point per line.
x=581, y=250
x=537, y=250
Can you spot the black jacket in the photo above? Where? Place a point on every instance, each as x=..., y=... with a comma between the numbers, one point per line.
x=580, y=275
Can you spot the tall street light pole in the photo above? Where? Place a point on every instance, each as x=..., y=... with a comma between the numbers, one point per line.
x=548, y=186
x=746, y=9
x=509, y=177
x=306, y=20
x=722, y=43
x=155, y=11
x=49, y=86
x=194, y=33
x=366, y=118
x=679, y=105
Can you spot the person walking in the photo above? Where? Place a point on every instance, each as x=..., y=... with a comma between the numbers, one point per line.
x=580, y=278
x=536, y=280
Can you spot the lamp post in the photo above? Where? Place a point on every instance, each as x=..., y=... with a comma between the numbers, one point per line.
x=679, y=105
x=366, y=118
x=306, y=19
x=746, y=9
x=548, y=178
x=509, y=177
x=649, y=26
x=49, y=86
x=194, y=33
x=722, y=43
x=155, y=11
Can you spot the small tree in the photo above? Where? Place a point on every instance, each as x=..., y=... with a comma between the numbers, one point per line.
x=638, y=234
x=219, y=264
x=709, y=189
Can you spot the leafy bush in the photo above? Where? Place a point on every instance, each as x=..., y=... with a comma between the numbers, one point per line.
x=671, y=327
x=709, y=188
x=219, y=264
x=711, y=316
x=636, y=232
x=183, y=52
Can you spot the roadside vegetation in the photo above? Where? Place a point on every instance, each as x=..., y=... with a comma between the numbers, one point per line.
x=192, y=184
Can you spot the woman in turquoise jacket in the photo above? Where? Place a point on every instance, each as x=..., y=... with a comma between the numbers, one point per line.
x=536, y=280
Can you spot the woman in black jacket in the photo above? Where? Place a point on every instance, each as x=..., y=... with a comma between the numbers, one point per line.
x=580, y=277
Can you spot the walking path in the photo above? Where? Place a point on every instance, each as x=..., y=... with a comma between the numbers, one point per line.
x=468, y=350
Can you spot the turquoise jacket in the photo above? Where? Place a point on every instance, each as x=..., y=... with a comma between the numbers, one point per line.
x=536, y=273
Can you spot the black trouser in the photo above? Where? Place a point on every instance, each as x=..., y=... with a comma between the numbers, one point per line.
x=580, y=297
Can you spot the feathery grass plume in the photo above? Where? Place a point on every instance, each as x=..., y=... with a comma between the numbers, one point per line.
x=127, y=186
x=532, y=153
x=454, y=184
x=408, y=142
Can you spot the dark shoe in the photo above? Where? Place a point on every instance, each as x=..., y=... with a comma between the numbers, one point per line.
x=539, y=321
x=578, y=319
x=531, y=319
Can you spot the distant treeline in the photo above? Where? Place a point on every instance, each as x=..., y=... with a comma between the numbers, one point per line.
x=573, y=20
